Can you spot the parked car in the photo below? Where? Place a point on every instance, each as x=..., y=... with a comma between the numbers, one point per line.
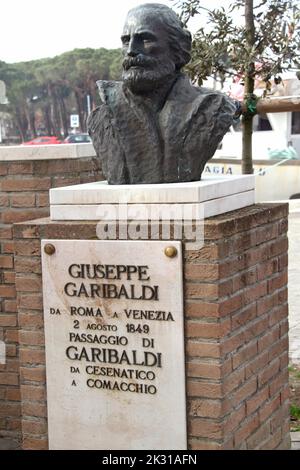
x=77, y=139
x=43, y=140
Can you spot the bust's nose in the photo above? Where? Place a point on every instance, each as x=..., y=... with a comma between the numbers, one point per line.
x=133, y=47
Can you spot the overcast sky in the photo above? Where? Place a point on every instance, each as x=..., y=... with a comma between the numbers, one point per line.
x=32, y=29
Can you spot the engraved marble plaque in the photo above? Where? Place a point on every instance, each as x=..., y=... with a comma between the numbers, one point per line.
x=113, y=313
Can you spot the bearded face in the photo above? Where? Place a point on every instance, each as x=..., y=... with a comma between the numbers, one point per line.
x=144, y=74
x=148, y=60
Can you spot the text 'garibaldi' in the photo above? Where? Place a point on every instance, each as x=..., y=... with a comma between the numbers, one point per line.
x=155, y=126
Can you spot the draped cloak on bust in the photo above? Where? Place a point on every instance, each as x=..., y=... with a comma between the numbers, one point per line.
x=137, y=144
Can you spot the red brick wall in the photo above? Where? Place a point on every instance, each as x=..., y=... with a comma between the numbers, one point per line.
x=24, y=189
x=237, y=332
x=235, y=329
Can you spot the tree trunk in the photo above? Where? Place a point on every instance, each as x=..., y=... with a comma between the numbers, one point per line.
x=80, y=108
x=22, y=123
x=247, y=126
x=31, y=119
x=247, y=120
x=54, y=110
x=64, y=116
x=47, y=119
x=93, y=94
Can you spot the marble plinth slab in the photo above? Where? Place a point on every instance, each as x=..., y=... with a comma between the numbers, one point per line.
x=114, y=340
x=217, y=195
x=210, y=187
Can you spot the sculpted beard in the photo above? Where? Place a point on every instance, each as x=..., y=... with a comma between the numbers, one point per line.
x=143, y=73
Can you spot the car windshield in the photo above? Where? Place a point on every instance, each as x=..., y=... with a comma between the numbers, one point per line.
x=79, y=138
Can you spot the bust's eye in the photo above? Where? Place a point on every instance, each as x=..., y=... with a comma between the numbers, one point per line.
x=125, y=40
x=147, y=38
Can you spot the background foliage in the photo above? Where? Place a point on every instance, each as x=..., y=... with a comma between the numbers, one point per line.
x=221, y=46
x=43, y=93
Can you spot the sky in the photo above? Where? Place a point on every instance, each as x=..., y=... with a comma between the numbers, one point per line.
x=34, y=29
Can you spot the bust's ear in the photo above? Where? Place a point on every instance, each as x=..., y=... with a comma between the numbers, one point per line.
x=182, y=52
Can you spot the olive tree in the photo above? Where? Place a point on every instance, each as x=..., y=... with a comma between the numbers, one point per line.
x=263, y=46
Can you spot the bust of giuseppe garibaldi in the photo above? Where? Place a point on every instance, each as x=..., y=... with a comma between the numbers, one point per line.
x=154, y=126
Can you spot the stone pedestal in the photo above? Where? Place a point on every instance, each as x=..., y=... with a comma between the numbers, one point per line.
x=236, y=328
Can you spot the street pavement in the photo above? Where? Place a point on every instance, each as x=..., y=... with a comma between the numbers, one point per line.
x=294, y=298
x=294, y=286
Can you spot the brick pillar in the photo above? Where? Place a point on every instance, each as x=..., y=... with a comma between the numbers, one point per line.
x=235, y=329
x=237, y=332
x=24, y=195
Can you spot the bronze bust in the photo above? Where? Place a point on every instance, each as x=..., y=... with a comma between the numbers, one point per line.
x=154, y=126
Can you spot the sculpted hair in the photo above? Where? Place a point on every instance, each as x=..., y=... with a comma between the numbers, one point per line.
x=180, y=40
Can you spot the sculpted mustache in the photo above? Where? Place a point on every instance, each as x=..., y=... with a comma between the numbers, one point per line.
x=139, y=61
